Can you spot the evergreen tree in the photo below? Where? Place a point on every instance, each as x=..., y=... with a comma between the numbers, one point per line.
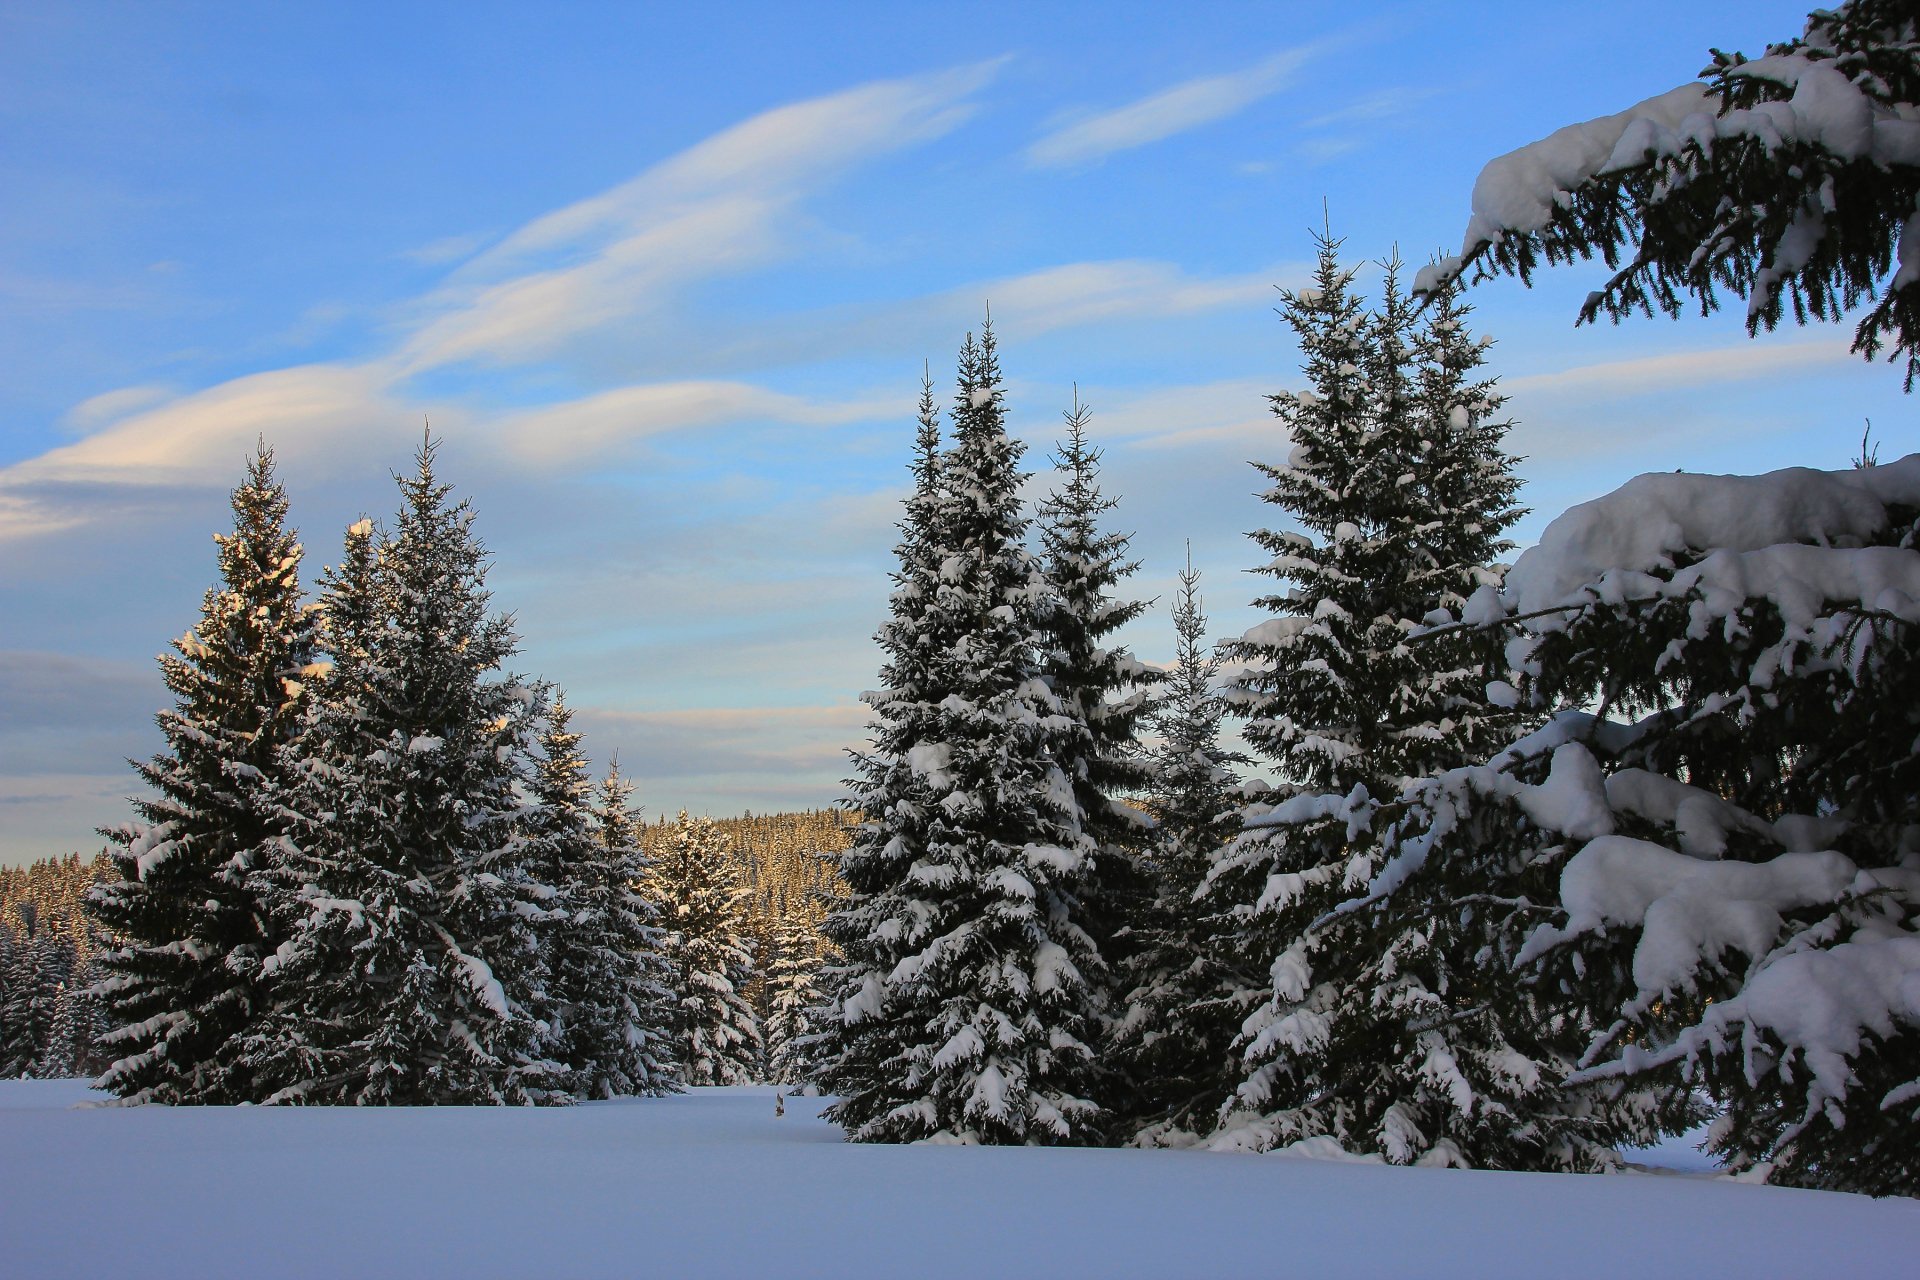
x=1786, y=177
x=970, y=990
x=1371, y=1032
x=792, y=997
x=1463, y=505
x=1185, y=1001
x=859, y=1051
x=1102, y=688
x=608, y=973
x=78, y=1024
x=186, y=985
x=41, y=969
x=1320, y=681
x=1316, y=691
x=1725, y=798
x=412, y=972
x=11, y=976
x=709, y=959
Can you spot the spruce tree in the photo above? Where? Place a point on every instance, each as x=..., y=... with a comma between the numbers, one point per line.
x=41, y=969
x=412, y=972
x=1725, y=801
x=1319, y=681
x=78, y=1024
x=186, y=985
x=793, y=995
x=709, y=957
x=608, y=972
x=969, y=996
x=10, y=978
x=1783, y=179
x=859, y=1051
x=1315, y=689
x=1185, y=999
x=1102, y=688
x=1462, y=507
x=1373, y=1032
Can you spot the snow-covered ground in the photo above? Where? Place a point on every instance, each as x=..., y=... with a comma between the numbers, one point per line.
x=712, y=1184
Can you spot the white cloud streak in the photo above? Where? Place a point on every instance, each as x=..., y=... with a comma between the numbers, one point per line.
x=719, y=206
x=1161, y=115
x=567, y=433
x=308, y=412
x=1081, y=293
x=1749, y=359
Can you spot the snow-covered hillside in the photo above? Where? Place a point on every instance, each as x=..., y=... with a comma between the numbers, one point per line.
x=712, y=1184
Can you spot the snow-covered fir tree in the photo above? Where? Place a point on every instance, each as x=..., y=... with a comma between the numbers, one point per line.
x=79, y=1024
x=1462, y=502
x=709, y=957
x=1102, y=689
x=39, y=968
x=411, y=972
x=793, y=997
x=858, y=1051
x=186, y=986
x=1373, y=1034
x=607, y=974
x=1316, y=684
x=1319, y=684
x=1184, y=1001
x=1731, y=829
x=1788, y=178
x=10, y=978
x=969, y=993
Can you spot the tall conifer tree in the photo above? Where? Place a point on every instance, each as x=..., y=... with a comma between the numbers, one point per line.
x=1368, y=1035
x=187, y=985
x=793, y=995
x=1103, y=689
x=607, y=970
x=970, y=994
x=412, y=973
x=703, y=913
x=1186, y=1000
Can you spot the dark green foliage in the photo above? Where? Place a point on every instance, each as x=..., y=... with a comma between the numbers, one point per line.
x=1402, y=495
x=793, y=997
x=186, y=985
x=1770, y=746
x=968, y=994
x=605, y=971
x=1185, y=999
x=1803, y=193
x=709, y=959
x=412, y=972
x=1102, y=688
x=1319, y=680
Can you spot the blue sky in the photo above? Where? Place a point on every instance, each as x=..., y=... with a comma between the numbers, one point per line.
x=664, y=281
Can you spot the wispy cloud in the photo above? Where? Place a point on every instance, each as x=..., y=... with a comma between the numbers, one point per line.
x=1371, y=108
x=1617, y=378
x=1080, y=293
x=1161, y=115
x=1172, y=417
x=566, y=433
x=775, y=155
x=308, y=411
x=533, y=314
x=722, y=205
x=447, y=249
x=694, y=753
x=97, y=411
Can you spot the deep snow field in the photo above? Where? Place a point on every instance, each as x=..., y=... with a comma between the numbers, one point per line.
x=712, y=1184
